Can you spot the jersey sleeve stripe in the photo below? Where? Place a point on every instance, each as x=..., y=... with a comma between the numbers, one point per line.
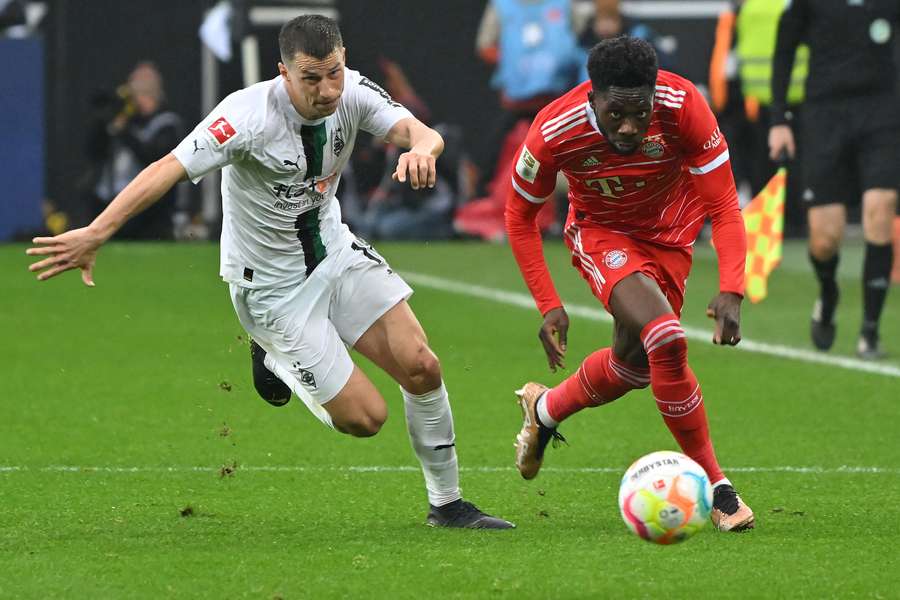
x=569, y=119
x=669, y=96
x=716, y=162
x=666, y=88
x=558, y=132
x=526, y=195
x=669, y=104
x=568, y=113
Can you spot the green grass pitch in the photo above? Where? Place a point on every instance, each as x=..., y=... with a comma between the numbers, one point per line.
x=137, y=462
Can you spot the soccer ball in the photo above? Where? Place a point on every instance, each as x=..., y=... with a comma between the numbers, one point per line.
x=665, y=497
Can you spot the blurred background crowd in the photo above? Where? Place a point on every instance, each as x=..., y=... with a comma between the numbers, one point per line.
x=94, y=90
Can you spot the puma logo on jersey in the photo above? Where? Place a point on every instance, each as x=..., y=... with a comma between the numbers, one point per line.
x=294, y=163
x=590, y=161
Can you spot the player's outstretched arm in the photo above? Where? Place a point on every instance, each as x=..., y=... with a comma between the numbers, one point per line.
x=78, y=248
x=527, y=247
x=425, y=146
x=717, y=191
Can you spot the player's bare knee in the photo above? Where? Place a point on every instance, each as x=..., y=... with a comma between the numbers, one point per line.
x=627, y=346
x=824, y=245
x=423, y=371
x=364, y=424
x=879, y=209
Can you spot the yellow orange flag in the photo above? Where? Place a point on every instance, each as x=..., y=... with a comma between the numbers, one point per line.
x=764, y=220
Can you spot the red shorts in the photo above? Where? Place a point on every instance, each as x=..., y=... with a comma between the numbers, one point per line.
x=604, y=258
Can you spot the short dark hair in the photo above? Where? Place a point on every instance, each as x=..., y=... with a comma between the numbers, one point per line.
x=314, y=35
x=622, y=61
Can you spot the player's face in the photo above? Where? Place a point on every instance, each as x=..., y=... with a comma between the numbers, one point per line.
x=314, y=84
x=623, y=115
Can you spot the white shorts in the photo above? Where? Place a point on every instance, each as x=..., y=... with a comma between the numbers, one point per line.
x=306, y=329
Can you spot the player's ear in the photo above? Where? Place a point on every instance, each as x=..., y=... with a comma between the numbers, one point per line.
x=283, y=70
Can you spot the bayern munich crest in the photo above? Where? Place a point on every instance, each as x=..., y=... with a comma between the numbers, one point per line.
x=652, y=149
x=615, y=259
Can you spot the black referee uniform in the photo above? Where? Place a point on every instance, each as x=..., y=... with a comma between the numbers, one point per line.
x=850, y=129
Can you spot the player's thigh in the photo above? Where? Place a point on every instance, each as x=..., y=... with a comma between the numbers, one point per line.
x=637, y=300
x=372, y=315
x=358, y=409
x=397, y=343
x=607, y=259
x=367, y=289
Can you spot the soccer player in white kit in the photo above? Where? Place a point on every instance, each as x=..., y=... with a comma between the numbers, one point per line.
x=303, y=286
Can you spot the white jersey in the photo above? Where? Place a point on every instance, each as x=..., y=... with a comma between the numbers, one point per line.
x=279, y=175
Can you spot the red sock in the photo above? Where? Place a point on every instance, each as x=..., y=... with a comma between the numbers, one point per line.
x=677, y=391
x=601, y=378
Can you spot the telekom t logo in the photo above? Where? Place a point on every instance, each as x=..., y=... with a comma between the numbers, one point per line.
x=221, y=130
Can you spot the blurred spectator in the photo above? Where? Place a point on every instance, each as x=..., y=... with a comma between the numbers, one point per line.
x=379, y=207
x=741, y=95
x=131, y=128
x=850, y=128
x=609, y=22
x=534, y=47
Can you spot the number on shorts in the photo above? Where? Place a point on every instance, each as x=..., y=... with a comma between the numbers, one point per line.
x=368, y=251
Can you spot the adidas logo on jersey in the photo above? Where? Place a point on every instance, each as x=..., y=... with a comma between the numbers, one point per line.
x=590, y=161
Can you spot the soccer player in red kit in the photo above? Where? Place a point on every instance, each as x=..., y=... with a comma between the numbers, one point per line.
x=646, y=164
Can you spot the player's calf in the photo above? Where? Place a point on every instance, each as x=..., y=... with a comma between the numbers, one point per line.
x=677, y=391
x=364, y=426
x=600, y=379
x=360, y=418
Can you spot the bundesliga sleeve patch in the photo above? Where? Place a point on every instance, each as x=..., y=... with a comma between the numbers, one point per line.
x=221, y=130
x=527, y=166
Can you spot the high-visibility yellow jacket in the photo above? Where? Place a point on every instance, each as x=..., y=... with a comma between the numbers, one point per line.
x=757, y=28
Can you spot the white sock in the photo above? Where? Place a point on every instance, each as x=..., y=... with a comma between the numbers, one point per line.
x=430, y=425
x=723, y=481
x=542, y=414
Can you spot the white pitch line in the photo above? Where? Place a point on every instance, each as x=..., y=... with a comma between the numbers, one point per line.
x=844, y=469
x=694, y=333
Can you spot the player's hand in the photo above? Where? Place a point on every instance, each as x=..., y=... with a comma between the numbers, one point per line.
x=75, y=249
x=420, y=169
x=781, y=141
x=726, y=310
x=553, y=336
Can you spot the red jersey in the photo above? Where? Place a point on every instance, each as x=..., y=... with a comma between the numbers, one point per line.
x=662, y=193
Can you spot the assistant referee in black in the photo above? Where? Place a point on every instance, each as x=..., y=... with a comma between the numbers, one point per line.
x=851, y=139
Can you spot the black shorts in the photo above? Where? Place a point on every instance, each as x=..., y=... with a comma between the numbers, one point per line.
x=849, y=146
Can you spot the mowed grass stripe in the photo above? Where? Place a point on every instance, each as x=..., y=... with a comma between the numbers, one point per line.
x=844, y=469
x=694, y=333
